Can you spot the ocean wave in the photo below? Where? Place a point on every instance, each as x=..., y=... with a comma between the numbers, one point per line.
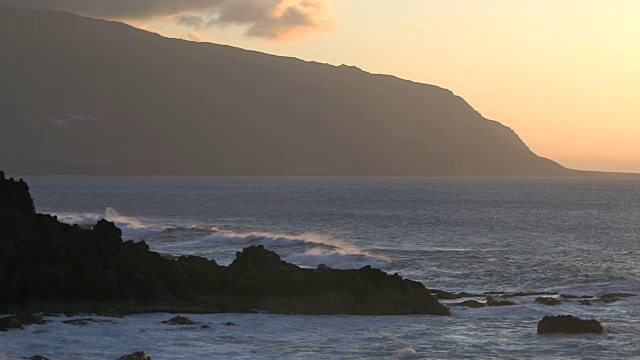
x=131, y=227
x=307, y=249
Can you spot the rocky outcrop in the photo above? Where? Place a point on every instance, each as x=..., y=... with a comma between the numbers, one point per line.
x=20, y=321
x=180, y=320
x=445, y=295
x=135, y=356
x=491, y=301
x=568, y=324
x=49, y=266
x=548, y=301
x=470, y=304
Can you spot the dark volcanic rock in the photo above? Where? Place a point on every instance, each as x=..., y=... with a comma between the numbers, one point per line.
x=180, y=320
x=19, y=321
x=491, y=301
x=522, y=294
x=570, y=297
x=135, y=356
x=38, y=357
x=86, y=321
x=445, y=295
x=548, y=301
x=616, y=295
x=15, y=197
x=470, y=304
x=47, y=266
x=568, y=324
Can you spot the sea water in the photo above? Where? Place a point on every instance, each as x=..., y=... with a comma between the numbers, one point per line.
x=578, y=237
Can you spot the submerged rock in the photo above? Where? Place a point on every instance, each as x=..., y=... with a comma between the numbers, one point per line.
x=38, y=357
x=568, y=324
x=180, y=320
x=470, y=304
x=135, y=356
x=523, y=294
x=55, y=267
x=86, y=321
x=491, y=301
x=616, y=295
x=445, y=295
x=548, y=301
x=15, y=322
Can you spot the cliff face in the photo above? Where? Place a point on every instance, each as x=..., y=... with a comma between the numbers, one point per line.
x=86, y=96
x=49, y=266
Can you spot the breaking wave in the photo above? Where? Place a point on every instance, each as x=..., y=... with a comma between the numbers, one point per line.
x=131, y=227
x=307, y=249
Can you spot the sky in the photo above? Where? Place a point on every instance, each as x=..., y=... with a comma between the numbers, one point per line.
x=563, y=74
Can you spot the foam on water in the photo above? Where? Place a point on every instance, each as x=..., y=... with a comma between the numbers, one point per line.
x=131, y=227
x=307, y=249
x=508, y=332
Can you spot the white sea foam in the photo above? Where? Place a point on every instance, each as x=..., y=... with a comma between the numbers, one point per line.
x=131, y=227
x=408, y=353
x=307, y=249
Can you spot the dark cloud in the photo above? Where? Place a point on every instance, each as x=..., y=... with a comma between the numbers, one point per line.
x=192, y=21
x=272, y=19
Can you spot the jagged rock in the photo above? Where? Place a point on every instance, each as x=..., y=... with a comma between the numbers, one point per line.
x=613, y=297
x=548, y=301
x=86, y=321
x=491, y=301
x=568, y=324
x=565, y=296
x=65, y=268
x=19, y=321
x=445, y=295
x=135, y=356
x=522, y=294
x=470, y=304
x=180, y=320
x=15, y=197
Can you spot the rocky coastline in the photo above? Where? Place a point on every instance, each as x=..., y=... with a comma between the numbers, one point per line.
x=50, y=267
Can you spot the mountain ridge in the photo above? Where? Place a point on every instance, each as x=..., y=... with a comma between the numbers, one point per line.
x=89, y=96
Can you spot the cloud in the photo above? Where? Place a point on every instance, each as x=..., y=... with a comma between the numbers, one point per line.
x=193, y=21
x=269, y=19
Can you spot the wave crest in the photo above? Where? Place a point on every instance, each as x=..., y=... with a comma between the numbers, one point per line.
x=307, y=249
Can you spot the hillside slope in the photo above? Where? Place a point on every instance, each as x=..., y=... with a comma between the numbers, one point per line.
x=86, y=96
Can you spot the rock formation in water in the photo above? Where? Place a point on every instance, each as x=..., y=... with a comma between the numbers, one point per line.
x=49, y=266
x=568, y=324
x=87, y=96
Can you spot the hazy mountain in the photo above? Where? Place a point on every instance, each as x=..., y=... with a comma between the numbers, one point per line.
x=87, y=96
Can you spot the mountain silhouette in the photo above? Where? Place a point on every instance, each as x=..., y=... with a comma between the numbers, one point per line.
x=87, y=96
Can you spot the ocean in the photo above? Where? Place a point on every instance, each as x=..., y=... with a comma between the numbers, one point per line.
x=576, y=237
